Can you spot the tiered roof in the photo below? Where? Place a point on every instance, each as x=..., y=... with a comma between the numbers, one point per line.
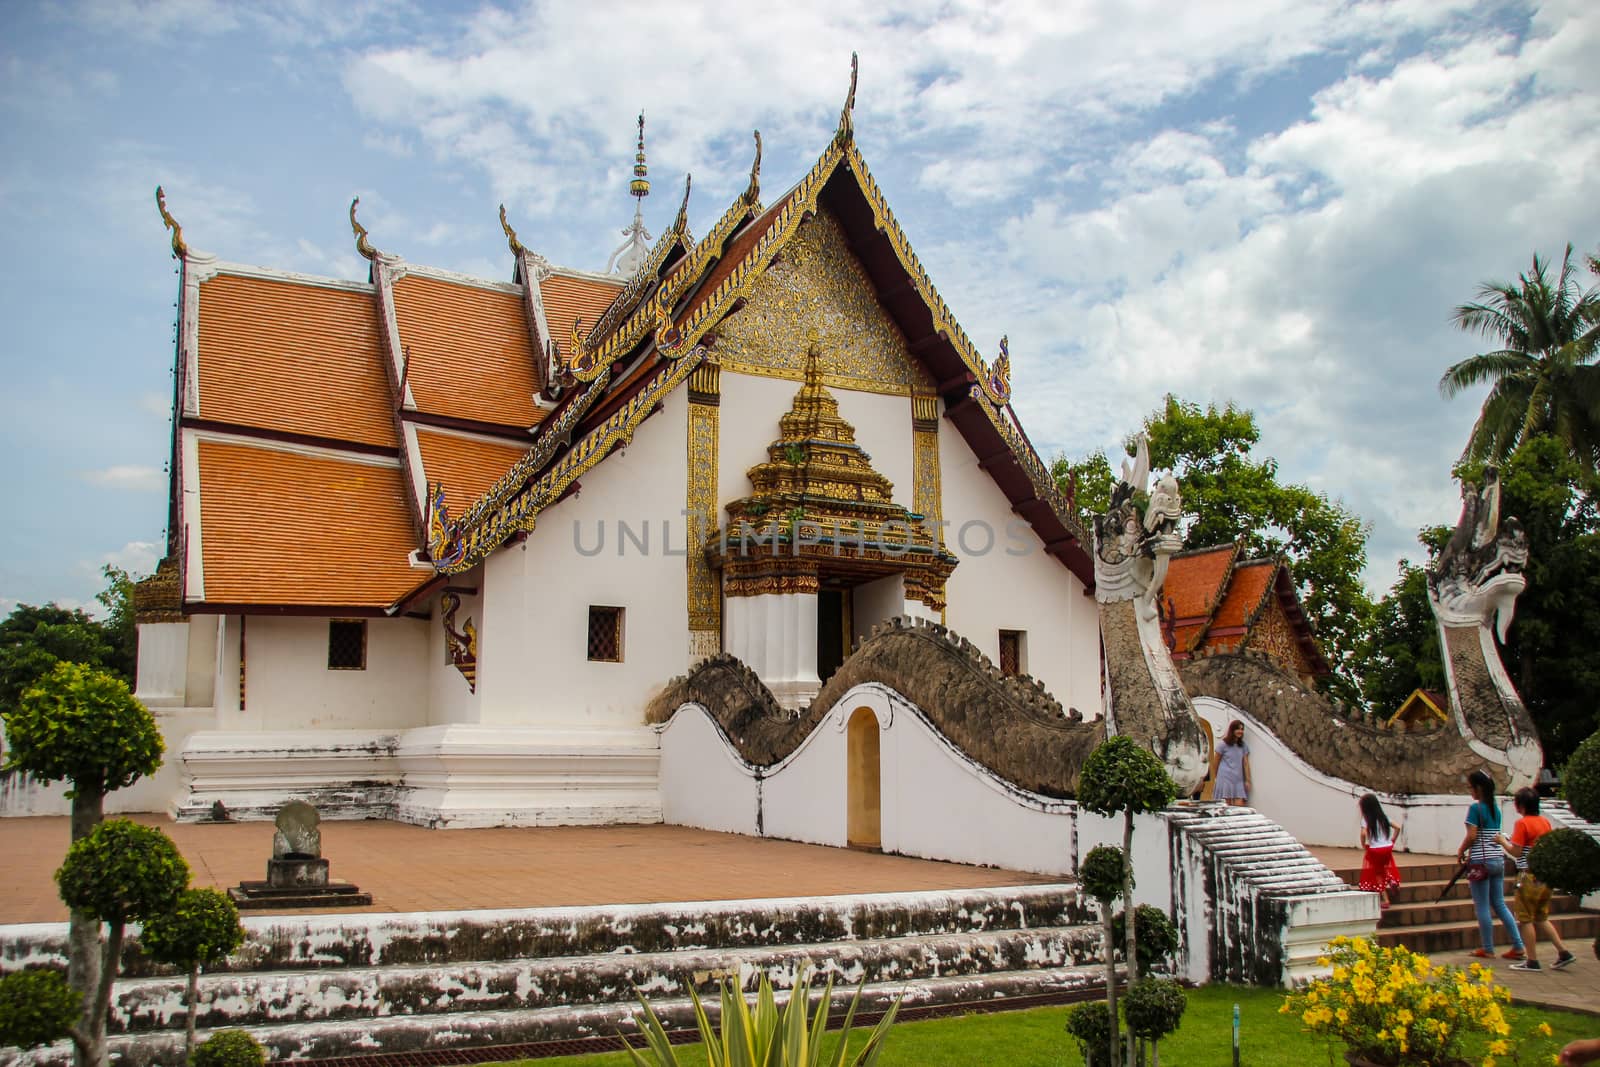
x=411, y=398
x=1215, y=601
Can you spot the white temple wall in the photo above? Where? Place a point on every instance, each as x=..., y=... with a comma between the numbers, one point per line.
x=1319, y=809
x=450, y=699
x=288, y=685
x=1006, y=581
x=748, y=422
x=873, y=602
x=533, y=665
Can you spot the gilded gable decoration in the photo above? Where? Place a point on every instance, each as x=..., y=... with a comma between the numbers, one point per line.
x=363, y=245
x=818, y=507
x=462, y=643
x=179, y=249
x=994, y=384
x=700, y=506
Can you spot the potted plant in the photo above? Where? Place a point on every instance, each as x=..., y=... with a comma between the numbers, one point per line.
x=1391, y=1007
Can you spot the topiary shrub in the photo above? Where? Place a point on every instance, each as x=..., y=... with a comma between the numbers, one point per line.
x=36, y=1008
x=1100, y=873
x=1567, y=861
x=1153, y=1007
x=229, y=1048
x=200, y=929
x=1580, y=779
x=1158, y=936
x=1090, y=1025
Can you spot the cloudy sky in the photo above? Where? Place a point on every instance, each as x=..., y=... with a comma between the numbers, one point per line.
x=1275, y=203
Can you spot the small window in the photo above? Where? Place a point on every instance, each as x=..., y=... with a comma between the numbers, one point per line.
x=347, y=645
x=1011, y=646
x=605, y=634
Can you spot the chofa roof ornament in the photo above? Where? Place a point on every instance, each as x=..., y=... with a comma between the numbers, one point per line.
x=517, y=248
x=752, y=192
x=995, y=385
x=363, y=245
x=179, y=249
x=847, y=130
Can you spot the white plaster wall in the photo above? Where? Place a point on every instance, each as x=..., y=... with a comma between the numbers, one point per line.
x=1014, y=585
x=533, y=666
x=288, y=685
x=450, y=699
x=1319, y=809
x=201, y=675
x=873, y=602
x=748, y=423
x=934, y=802
x=162, y=670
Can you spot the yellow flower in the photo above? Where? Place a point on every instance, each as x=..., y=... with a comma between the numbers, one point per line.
x=1499, y=1048
x=1543, y=1029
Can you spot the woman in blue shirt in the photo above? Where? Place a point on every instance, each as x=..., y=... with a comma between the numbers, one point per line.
x=1486, y=877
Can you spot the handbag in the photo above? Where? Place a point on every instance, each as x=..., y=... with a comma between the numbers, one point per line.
x=1477, y=872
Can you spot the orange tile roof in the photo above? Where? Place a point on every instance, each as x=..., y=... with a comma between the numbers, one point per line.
x=1195, y=580
x=282, y=527
x=298, y=358
x=567, y=298
x=1250, y=583
x=468, y=351
x=467, y=466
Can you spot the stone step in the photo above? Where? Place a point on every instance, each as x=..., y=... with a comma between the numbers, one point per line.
x=278, y=997
x=1425, y=872
x=310, y=942
x=1449, y=937
x=372, y=1036
x=1454, y=910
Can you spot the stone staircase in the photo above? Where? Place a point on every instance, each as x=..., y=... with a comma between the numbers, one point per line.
x=1423, y=923
x=362, y=984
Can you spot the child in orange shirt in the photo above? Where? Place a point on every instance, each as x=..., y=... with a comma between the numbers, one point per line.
x=1532, y=901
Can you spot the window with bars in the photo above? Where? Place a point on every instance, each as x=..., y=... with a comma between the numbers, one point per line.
x=347, y=645
x=1011, y=652
x=605, y=634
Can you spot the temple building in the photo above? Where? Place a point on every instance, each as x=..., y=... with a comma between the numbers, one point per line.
x=1217, y=601
x=437, y=541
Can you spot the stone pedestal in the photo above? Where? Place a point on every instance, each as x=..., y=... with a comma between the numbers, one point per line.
x=297, y=872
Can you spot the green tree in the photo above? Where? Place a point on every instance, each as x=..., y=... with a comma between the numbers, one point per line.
x=81, y=725
x=1088, y=482
x=200, y=930
x=1542, y=378
x=36, y=1008
x=120, y=626
x=1230, y=495
x=1400, y=652
x=1123, y=777
x=33, y=640
x=1105, y=874
x=119, y=872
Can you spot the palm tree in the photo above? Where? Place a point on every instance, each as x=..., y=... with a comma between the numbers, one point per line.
x=1543, y=377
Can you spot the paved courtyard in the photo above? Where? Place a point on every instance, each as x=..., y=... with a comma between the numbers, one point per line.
x=407, y=868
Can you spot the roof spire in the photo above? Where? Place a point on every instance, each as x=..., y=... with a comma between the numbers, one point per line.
x=752, y=193
x=363, y=245
x=511, y=235
x=847, y=130
x=632, y=252
x=179, y=249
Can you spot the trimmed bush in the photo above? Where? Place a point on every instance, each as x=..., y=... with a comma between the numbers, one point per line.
x=229, y=1048
x=122, y=871
x=1101, y=873
x=200, y=929
x=1090, y=1026
x=1153, y=1007
x=1158, y=937
x=1580, y=779
x=82, y=725
x=1567, y=861
x=36, y=1008
x=1124, y=777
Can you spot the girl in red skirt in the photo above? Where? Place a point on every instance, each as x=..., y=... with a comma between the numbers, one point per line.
x=1378, y=835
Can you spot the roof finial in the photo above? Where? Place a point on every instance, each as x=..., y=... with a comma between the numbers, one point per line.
x=846, y=122
x=511, y=235
x=681, y=223
x=363, y=245
x=752, y=193
x=631, y=254
x=640, y=186
x=179, y=249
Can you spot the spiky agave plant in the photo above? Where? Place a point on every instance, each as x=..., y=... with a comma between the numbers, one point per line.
x=767, y=1035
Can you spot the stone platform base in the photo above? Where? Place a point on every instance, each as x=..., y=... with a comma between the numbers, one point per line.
x=435, y=776
x=261, y=895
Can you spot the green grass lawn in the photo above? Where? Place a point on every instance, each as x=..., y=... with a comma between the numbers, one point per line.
x=1038, y=1038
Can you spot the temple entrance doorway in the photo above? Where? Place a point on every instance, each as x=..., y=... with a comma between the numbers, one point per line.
x=864, y=828
x=833, y=630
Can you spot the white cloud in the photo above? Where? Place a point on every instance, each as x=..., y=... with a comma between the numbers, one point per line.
x=138, y=558
x=129, y=477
